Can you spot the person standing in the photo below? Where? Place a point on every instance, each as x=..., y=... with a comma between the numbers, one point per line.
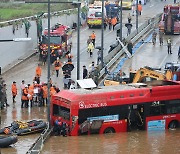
x=57, y=66
x=129, y=18
x=91, y=48
x=38, y=71
x=69, y=57
x=24, y=97
x=4, y=96
x=89, y=40
x=85, y=72
x=160, y=38
x=14, y=91
x=114, y=22
x=154, y=37
x=140, y=8
x=96, y=74
x=93, y=38
x=45, y=94
x=169, y=44
x=98, y=56
x=130, y=47
x=44, y=57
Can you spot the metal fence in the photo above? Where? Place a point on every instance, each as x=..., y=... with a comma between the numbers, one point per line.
x=111, y=58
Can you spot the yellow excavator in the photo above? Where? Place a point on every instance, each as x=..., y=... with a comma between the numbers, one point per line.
x=142, y=75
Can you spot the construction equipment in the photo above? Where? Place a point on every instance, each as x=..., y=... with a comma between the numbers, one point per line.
x=142, y=75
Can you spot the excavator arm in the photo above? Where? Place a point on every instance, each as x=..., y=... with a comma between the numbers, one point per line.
x=148, y=72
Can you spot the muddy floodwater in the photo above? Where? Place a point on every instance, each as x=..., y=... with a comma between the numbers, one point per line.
x=139, y=142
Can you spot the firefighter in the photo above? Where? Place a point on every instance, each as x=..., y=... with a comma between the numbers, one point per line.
x=25, y=97
x=93, y=38
x=38, y=71
x=69, y=57
x=57, y=66
x=14, y=91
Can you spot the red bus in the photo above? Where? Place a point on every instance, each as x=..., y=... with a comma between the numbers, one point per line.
x=151, y=106
x=170, y=20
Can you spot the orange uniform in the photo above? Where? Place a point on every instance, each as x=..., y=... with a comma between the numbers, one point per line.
x=14, y=89
x=57, y=64
x=38, y=71
x=25, y=94
x=52, y=91
x=114, y=21
x=31, y=92
x=45, y=91
x=93, y=36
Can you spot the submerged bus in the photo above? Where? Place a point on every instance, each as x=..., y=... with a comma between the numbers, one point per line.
x=151, y=106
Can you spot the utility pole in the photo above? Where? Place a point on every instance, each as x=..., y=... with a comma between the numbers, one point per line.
x=102, y=35
x=120, y=21
x=137, y=15
x=78, y=38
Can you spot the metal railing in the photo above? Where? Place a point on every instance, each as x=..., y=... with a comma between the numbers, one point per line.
x=111, y=58
x=38, y=145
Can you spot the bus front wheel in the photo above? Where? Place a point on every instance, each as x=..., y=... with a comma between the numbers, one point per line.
x=109, y=130
x=173, y=125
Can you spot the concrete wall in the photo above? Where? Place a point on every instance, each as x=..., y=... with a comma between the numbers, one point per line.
x=12, y=53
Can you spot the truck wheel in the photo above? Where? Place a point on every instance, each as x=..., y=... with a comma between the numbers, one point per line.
x=109, y=130
x=173, y=125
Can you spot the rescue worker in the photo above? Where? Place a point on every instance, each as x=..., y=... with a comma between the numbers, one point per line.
x=140, y=8
x=53, y=56
x=98, y=56
x=45, y=94
x=44, y=56
x=57, y=66
x=129, y=18
x=38, y=71
x=130, y=47
x=160, y=38
x=154, y=37
x=14, y=91
x=114, y=22
x=169, y=43
x=69, y=57
x=85, y=72
x=109, y=23
x=57, y=126
x=25, y=97
x=89, y=40
x=90, y=48
x=4, y=96
x=93, y=38
x=30, y=94
x=96, y=74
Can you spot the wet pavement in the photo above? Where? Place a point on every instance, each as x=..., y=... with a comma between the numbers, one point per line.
x=147, y=55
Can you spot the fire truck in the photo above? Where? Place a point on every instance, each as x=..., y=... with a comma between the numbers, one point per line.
x=60, y=39
x=170, y=20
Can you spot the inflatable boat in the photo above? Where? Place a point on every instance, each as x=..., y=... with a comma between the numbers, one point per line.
x=6, y=141
x=24, y=128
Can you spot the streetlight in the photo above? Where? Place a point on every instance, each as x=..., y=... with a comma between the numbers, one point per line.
x=78, y=3
x=120, y=21
x=16, y=40
x=137, y=15
x=102, y=34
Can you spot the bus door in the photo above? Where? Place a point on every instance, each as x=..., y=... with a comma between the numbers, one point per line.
x=136, y=119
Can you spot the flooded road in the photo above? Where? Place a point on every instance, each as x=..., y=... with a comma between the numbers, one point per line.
x=139, y=142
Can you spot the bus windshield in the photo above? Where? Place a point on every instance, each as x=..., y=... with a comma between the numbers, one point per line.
x=98, y=14
x=61, y=111
x=53, y=39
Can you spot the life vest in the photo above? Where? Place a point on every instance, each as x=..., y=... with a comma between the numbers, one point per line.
x=93, y=36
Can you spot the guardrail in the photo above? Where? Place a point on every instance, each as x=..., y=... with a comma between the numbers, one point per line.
x=111, y=58
x=38, y=145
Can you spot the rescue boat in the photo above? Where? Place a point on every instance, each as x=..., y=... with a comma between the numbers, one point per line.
x=24, y=128
x=6, y=141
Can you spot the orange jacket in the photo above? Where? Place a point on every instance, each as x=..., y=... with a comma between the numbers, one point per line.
x=57, y=64
x=31, y=92
x=14, y=89
x=52, y=91
x=45, y=91
x=114, y=21
x=38, y=71
x=93, y=36
x=25, y=94
x=139, y=7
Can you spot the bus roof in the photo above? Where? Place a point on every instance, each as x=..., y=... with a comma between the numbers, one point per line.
x=106, y=90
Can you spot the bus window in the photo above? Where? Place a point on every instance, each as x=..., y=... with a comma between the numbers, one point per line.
x=98, y=14
x=61, y=111
x=121, y=111
x=173, y=107
x=157, y=108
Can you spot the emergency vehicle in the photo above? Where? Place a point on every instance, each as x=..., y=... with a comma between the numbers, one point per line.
x=60, y=39
x=170, y=20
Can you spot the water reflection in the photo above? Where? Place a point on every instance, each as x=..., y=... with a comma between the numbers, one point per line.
x=139, y=142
